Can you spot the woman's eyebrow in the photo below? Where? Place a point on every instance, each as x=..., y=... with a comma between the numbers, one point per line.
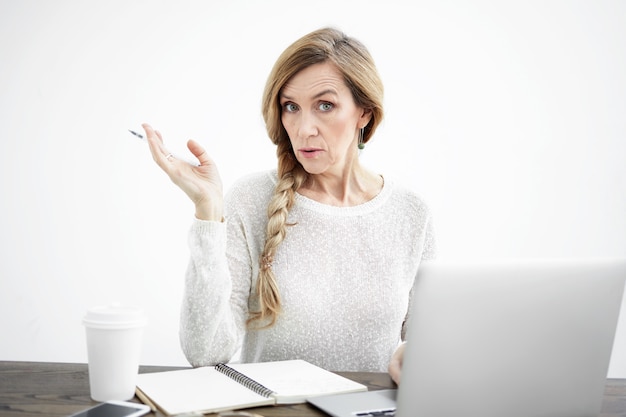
x=323, y=93
x=318, y=95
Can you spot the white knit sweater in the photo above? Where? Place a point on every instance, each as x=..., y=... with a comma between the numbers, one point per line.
x=344, y=273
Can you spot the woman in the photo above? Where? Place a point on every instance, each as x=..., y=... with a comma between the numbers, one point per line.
x=315, y=260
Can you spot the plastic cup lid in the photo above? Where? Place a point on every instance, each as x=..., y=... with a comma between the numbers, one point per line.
x=114, y=316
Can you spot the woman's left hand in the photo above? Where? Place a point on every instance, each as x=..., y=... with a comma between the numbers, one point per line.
x=395, y=365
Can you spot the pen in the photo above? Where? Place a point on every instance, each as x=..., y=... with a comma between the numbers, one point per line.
x=188, y=160
x=139, y=135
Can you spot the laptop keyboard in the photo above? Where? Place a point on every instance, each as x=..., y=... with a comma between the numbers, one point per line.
x=377, y=413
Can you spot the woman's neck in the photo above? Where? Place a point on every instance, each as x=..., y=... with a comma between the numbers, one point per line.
x=349, y=189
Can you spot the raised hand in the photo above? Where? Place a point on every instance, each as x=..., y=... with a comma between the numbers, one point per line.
x=201, y=183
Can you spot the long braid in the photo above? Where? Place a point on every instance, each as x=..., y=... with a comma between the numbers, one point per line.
x=291, y=175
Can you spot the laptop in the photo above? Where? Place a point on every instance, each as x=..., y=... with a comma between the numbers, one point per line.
x=517, y=338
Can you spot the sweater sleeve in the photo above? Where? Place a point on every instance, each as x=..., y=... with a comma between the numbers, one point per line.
x=212, y=320
x=429, y=252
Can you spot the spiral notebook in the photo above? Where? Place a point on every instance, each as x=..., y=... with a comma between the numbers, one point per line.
x=236, y=386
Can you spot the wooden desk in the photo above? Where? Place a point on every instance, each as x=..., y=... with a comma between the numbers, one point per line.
x=35, y=389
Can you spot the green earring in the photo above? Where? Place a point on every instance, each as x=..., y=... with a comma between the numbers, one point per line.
x=361, y=145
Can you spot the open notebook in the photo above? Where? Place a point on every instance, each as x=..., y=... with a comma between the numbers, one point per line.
x=237, y=386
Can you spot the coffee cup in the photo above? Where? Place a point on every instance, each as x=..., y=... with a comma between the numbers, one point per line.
x=114, y=339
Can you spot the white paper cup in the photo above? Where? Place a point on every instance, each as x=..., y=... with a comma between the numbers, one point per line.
x=114, y=338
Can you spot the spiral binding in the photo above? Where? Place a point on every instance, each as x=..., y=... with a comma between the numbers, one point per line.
x=244, y=380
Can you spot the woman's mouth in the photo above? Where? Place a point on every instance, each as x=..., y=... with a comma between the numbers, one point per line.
x=310, y=152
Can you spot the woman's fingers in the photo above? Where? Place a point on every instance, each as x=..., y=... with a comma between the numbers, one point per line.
x=161, y=155
x=199, y=152
x=157, y=149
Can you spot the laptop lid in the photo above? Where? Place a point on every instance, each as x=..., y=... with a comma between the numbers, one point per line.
x=511, y=338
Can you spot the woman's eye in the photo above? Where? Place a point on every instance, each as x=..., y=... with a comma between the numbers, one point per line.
x=290, y=107
x=326, y=106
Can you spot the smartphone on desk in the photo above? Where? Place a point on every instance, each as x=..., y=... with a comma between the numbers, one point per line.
x=114, y=409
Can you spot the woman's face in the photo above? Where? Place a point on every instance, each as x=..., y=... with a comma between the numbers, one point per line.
x=322, y=119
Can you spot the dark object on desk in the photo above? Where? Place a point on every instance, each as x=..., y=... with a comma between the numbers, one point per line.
x=114, y=409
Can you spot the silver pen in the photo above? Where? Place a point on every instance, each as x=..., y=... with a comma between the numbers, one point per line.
x=182, y=158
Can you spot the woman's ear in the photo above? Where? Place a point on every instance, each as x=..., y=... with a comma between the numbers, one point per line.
x=365, y=118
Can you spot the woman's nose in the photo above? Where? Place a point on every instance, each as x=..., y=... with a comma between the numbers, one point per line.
x=307, y=125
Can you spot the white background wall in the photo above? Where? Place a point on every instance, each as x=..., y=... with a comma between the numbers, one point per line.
x=508, y=117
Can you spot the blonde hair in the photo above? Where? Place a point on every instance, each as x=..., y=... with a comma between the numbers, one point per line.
x=357, y=66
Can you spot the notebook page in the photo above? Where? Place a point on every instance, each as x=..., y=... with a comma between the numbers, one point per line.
x=296, y=380
x=200, y=389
